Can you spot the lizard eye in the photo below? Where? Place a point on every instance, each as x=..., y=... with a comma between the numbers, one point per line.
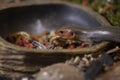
x=61, y=32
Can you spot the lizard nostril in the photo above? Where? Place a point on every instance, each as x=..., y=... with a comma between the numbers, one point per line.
x=72, y=33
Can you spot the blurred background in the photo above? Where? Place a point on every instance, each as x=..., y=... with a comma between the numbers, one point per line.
x=110, y=9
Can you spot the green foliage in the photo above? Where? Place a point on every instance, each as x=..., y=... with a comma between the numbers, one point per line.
x=114, y=19
x=75, y=1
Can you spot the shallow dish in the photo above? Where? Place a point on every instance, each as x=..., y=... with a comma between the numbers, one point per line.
x=36, y=19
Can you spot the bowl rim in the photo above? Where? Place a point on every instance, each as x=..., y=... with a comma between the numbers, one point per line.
x=8, y=45
x=15, y=49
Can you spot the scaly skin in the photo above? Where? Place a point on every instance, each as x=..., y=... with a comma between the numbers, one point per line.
x=97, y=34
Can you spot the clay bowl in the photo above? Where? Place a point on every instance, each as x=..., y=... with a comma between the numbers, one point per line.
x=38, y=18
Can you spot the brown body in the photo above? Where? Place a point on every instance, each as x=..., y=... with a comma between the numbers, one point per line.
x=96, y=34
